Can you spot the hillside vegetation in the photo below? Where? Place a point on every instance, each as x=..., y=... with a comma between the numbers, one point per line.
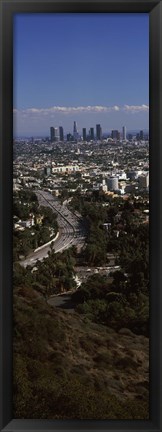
x=67, y=367
x=92, y=363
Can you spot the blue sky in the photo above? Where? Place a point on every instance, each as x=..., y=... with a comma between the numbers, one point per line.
x=92, y=68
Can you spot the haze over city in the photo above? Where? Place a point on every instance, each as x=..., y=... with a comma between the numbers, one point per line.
x=92, y=68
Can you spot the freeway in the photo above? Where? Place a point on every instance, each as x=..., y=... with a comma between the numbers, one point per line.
x=71, y=229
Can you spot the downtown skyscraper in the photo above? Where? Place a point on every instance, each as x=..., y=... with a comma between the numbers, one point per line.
x=52, y=133
x=61, y=133
x=75, y=131
x=98, y=132
x=124, y=133
x=92, y=133
x=84, y=134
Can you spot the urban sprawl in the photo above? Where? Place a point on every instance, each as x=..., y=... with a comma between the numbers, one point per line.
x=107, y=167
x=115, y=164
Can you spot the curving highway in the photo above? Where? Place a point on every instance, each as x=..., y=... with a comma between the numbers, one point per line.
x=71, y=229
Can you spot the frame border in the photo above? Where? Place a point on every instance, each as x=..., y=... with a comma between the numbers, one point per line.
x=7, y=9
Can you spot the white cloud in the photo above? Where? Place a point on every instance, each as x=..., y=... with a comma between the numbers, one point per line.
x=116, y=108
x=136, y=108
x=81, y=109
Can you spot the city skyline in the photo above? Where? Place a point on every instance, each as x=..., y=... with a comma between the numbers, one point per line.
x=65, y=70
x=57, y=132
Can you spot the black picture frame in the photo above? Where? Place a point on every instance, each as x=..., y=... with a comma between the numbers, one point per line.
x=7, y=10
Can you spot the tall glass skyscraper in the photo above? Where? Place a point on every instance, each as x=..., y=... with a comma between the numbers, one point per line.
x=52, y=133
x=124, y=133
x=61, y=133
x=92, y=133
x=84, y=134
x=75, y=132
x=98, y=132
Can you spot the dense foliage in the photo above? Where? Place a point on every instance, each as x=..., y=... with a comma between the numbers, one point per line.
x=125, y=301
x=25, y=205
x=50, y=276
x=110, y=223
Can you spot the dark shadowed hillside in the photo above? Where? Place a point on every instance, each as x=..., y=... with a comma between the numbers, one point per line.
x=67, y=367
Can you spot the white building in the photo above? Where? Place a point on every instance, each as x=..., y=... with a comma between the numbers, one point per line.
x=62, y=169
